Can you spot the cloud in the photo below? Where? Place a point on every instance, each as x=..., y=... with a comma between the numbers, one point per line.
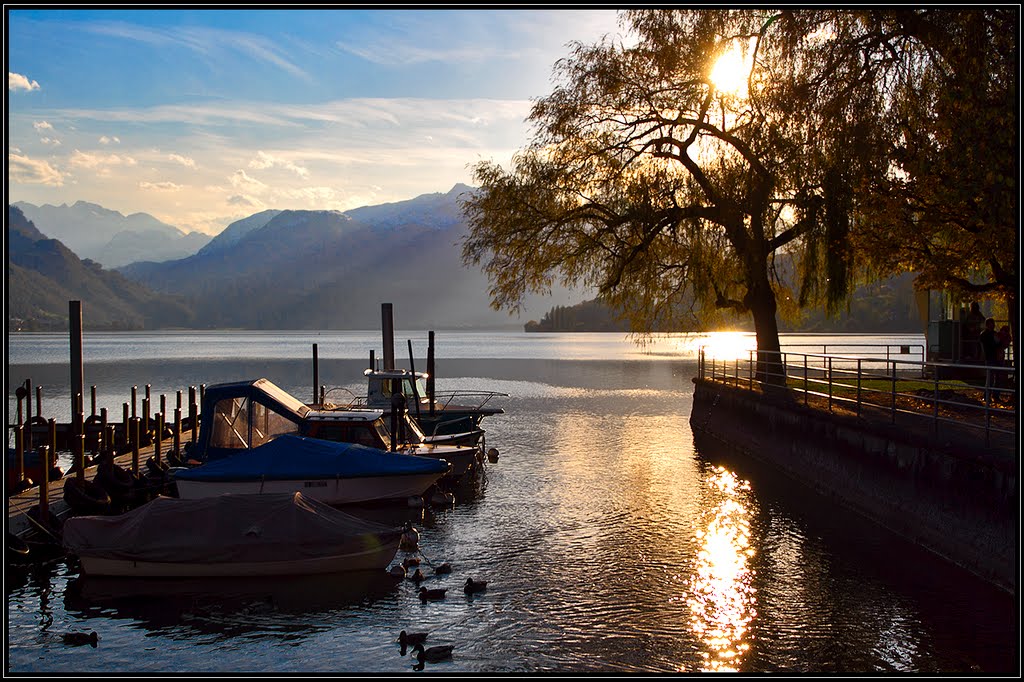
x=244, y=200
x=99, y=162
x=241, y=181
x=183, y=160
x=15, y=81
x=160, y=186
x=41, y=125
x=50, y=141
x=264, y=160
x=207, y=42
x=24, y=170
x=107, y=140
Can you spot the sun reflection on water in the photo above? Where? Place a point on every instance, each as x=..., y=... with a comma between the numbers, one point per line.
x=722, y=600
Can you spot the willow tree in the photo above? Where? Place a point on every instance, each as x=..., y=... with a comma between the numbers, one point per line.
x=655, y=178
x=947, y=208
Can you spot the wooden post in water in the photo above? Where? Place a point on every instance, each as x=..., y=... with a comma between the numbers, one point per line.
x=158, y=443
x=135, y=398
x=430, y=371
x=53, y=445
x=387, y=323
x=177, y=430
x=77, y=376
x=19, y=455
x=28, y=415
x=44, y=484
x=102, y=444
x=372, y=365
x=124, y=424
x=79, y=451
x=415, y=389
x=92, y=395
x=316, y=374
x=144, y=429
x=193, y=413
x=135, y=445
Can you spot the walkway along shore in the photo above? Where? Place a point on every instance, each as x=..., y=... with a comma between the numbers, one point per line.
x=945, y=491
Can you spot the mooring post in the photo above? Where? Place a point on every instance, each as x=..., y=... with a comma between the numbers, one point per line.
x=77, y=375
x=79, y=451
x=19, y=454
x=135, y=445
x=145, y=418
x=177, y=430
x=44, y=483
x=92, y=392
x=430, y=371
x=28, y=414
x=53, y=444
x=39, y=401
x=193, y=413
x=124, y=426
x=388, y=331
x=102, y=443
x=316, y=374
x=135, y=397
x=158, y=443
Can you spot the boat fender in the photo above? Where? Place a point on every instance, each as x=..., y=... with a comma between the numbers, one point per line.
x=492, y=455
x=397, y=571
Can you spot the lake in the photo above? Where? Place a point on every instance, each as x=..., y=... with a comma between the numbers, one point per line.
x=610, y=541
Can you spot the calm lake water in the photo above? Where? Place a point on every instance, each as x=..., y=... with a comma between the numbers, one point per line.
x=612, y=542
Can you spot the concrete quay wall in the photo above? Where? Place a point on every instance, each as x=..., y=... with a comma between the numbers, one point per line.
x=958, y=500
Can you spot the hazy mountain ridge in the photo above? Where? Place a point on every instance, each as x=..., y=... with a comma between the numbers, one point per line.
x=43, y=275
x=109, y=237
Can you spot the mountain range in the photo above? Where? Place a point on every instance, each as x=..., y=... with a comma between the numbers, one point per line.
x=109, y=237
x=278, y=269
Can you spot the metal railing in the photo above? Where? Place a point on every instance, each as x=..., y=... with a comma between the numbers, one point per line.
x=982, y=399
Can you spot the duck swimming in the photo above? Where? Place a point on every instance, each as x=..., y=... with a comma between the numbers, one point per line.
x=80, y=638
x=474, y=586
x=434, y=654
x=437, y=593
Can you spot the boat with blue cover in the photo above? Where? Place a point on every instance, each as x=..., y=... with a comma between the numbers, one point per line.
x=334, y=473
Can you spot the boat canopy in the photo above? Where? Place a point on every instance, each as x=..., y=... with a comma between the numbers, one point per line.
x=243, y=415
x=223, y=528
x=289, y=457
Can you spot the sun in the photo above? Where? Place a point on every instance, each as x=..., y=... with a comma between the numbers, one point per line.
x=731, y=70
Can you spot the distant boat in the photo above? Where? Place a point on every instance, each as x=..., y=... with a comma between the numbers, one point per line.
x=334, y=473
x=230, y=536
x=449, y=412
x=368, y=427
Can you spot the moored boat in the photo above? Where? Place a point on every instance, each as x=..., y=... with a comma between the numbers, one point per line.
x=332, y=472
x=230, y=536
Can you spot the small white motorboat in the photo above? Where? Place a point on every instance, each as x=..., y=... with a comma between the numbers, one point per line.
x=230, y=536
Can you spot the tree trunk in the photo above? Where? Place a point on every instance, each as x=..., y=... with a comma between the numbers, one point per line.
x=760, y=299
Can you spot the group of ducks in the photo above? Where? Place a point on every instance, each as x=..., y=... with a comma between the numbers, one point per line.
x=471, y=587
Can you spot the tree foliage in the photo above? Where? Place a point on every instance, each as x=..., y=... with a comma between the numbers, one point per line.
x=648, y=181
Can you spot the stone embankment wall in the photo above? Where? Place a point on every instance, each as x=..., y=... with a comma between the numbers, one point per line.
x=959, y=500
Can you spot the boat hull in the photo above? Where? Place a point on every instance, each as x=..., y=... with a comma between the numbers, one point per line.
x=370, y=559
x=335, y=491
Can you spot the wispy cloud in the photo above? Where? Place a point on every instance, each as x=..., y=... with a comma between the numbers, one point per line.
x=15, y=81
x=100, y=162
x=160, y=186
x=22, y=169
x=41, y=125
x=264, y=160
x=109, y=140
x=183, y=160
x=207, y=42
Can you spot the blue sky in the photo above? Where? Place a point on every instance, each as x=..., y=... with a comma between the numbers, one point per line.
x=200, y=117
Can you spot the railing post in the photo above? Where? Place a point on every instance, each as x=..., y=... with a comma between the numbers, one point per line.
x=935, y=406
x=806, y=387
x=893, y=391
x=858, y=385
x=750, y=370
x=829, y=383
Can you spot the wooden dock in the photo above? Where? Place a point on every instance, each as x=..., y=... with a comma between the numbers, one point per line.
x=20, y=503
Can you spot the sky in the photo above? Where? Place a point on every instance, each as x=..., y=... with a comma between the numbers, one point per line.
x=200, y=117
